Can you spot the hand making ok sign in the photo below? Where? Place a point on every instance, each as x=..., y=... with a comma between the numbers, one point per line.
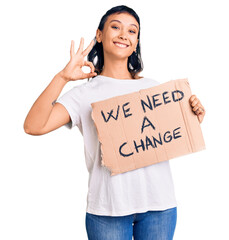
x=73, y=70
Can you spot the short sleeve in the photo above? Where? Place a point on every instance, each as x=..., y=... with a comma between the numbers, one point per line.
x=71, y=101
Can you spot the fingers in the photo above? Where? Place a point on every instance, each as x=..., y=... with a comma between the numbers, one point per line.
x=199, y=111
x=89, y=75
x=92, y=73
x=89, y=64
x=88, y=49
x=72, y=50
x=80, y=49
x=197, y=107
x=193, y=100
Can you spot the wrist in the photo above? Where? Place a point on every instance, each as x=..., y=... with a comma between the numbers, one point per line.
x=62, y=78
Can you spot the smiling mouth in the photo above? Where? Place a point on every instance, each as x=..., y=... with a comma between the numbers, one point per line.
x=120, y=45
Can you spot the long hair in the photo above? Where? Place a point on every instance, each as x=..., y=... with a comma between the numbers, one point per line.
x=134, y=64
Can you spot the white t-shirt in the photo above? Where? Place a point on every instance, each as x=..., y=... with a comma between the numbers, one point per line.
x=137, y=191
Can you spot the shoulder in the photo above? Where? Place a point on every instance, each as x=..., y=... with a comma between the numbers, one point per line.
x=75, y=91
x=151, y=80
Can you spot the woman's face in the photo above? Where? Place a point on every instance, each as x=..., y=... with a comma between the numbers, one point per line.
x=119, y=29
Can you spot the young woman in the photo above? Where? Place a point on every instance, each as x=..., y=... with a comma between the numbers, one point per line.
x=139, y=203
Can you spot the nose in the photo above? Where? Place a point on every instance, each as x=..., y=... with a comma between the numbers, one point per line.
x=122, y=36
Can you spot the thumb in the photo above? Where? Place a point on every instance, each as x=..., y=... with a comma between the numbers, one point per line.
x=89, y=75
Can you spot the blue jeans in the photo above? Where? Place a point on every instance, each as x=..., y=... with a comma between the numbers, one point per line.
x=151, y=225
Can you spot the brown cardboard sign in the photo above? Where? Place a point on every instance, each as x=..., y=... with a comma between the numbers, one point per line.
x=146, y=127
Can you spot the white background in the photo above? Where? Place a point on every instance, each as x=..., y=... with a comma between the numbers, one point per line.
x=43, y=179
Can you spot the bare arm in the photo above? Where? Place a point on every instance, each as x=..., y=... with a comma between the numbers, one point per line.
x=42, y=109
x=43, y=117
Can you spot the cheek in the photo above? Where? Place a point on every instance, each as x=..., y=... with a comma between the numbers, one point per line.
x=135, y=41
x=107, y=41
x=110, y=34
x=107, y=44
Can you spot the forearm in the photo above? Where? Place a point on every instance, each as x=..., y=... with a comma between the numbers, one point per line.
x=42, y=107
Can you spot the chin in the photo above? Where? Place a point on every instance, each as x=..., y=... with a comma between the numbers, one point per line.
x=122, y=53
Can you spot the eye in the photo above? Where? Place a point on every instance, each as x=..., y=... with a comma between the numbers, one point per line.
x=114, y=27
x=132, y=31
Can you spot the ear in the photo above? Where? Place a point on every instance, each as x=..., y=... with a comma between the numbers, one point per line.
x=98, y=35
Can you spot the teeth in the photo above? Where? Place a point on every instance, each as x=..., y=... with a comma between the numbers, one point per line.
x=121, y=45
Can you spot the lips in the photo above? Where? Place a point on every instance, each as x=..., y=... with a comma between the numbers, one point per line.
x=121, y=45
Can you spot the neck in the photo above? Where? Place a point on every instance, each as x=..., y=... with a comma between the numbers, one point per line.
x=115, y=68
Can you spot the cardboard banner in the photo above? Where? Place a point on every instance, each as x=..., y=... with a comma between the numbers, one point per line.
x=146, y=127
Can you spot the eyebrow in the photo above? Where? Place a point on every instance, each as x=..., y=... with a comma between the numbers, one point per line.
x=121, y=22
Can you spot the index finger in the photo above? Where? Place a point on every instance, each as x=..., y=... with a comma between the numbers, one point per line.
x=88, y=49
